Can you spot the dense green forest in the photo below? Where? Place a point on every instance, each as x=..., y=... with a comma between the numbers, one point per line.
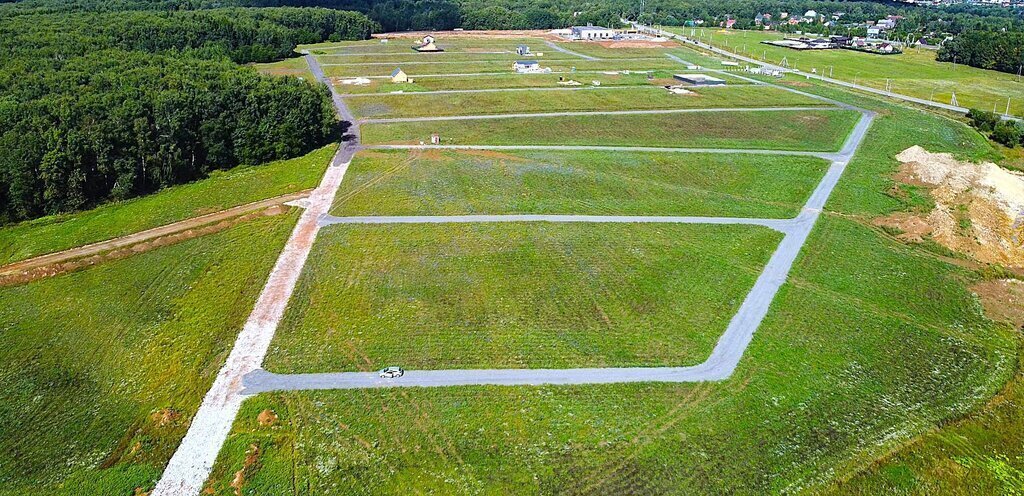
x=1000, y=51
x=98, y=106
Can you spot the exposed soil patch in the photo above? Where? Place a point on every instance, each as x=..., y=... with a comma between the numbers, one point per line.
x=911, y=227
x=249, y=467
x=979, y=208
x=797, y=84
x=86, y=256
x=164, y=417
x=1002, y=299
x=267, y=418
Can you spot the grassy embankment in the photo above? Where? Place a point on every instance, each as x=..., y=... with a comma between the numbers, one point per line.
x=223, y=189
x=102, y=369
x=611, y=183
x=915, y=72
x=869, y=344
x=818, y=130
x=638, y=98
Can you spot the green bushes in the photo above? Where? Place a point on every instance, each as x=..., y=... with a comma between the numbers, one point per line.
x=1006, y=133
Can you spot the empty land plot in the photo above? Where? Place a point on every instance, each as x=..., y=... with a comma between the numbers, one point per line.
x=461, y=182
x=810, y=130
x=914, y=72
x=449, y=44
x=524, y=295
x=494, y=81
x=869, y=344
x=439, y=66
x=295, y=66
x=638, y=98
x=222, y=190
x=102, y=369
x=412, y=57
x=603, y=52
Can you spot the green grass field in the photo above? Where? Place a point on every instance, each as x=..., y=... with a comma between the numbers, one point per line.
x=624, y=98
x=223, y=189
x=818, y=130
x=562, y=64
x=517, y=296
x=869, y=344
x=659, y=78
x=102, y=369
x=450, y=44
x=612, y=183
x=915, y=72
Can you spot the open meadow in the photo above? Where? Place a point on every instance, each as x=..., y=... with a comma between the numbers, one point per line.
x=809, y=130
x=870, y=343
x=102, y=369
x=399, y=182
x=588, y=99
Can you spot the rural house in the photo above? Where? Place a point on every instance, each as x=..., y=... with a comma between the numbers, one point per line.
x=399, y=76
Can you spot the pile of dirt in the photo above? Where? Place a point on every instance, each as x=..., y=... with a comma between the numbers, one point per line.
x=267, y=418
x=979, y=208
x=164, y=417
x=1003, y=300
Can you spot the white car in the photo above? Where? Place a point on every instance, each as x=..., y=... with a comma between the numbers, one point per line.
x=392, y=372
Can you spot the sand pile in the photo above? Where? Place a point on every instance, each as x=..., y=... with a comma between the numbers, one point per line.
x=979, y=208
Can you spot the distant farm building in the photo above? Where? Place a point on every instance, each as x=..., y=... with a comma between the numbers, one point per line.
x=399, y=76
x=427, y=45
x=699, y=79
x=591, y=33
x=522, y=50
x=528, y=67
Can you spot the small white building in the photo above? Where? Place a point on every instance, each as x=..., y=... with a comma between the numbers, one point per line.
x=592, y=33
x=522, y=50
x=529, y=67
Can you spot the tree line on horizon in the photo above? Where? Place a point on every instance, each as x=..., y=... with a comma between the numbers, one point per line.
x=104, y=106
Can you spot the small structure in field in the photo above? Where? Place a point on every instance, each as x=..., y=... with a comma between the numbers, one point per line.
x=427, y=45
x=698, y=79
x=399, y=76
x=435, y=139
x=529, y=67
x=522, y=50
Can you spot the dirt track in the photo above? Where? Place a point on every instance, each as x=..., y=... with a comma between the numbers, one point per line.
x=91, y=254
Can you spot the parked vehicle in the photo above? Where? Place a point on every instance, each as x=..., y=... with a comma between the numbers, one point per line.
x=392, y=372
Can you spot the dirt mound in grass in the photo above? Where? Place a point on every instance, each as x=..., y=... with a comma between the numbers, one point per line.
x=267, y=418
x=979, y=208
x=1003, y=300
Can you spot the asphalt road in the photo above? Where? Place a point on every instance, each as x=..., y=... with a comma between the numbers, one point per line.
x=570, y=52
x=588, y=113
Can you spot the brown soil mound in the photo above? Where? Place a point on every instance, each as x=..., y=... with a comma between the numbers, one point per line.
x=164, y=417
x=267, y=418
x=979, y=208
x=1003, y=300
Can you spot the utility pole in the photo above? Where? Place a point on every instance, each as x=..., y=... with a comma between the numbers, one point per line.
x=952, y=100
x=1007, y=106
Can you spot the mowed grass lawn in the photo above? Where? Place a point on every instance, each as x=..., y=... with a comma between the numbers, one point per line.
x=563, y=63
x=867, y=345
x=517, y=295
x=439, y=83
x=102, y=369
x=223, y=189
x=403, y=182
x=915, y=72
x=602, y=98
x=870, y=343
x=450, y=44
x=812, y=130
